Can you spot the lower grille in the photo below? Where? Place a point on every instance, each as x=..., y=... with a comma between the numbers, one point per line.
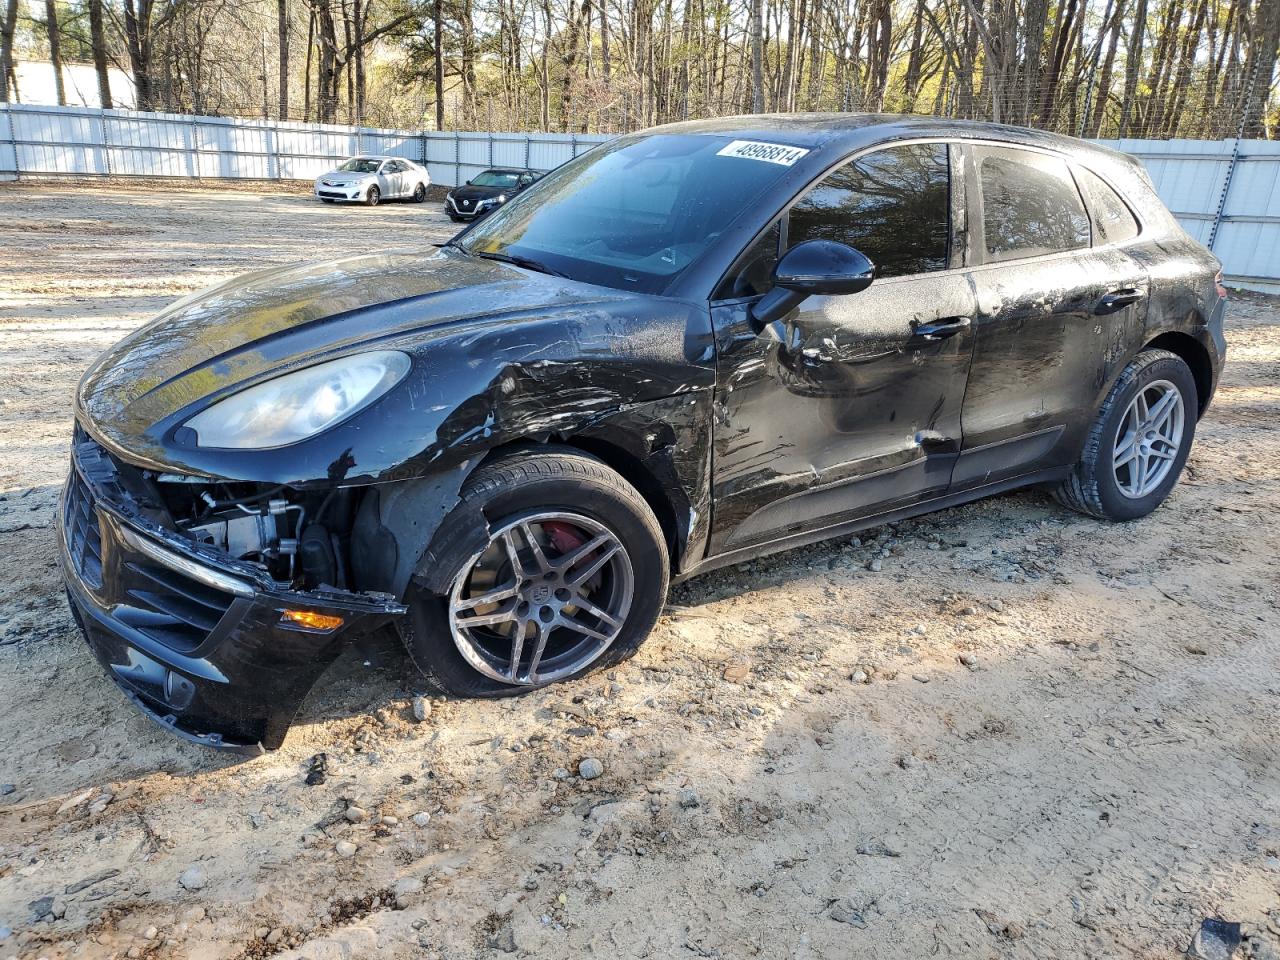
x=170, y=607
x=83, y=535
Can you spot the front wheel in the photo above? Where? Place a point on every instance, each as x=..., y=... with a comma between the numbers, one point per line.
x=372, y=197
x=1139, y=442
x=571, y=577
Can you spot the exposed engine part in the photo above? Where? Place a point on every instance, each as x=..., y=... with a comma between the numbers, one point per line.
x=317, y=557
x=252, y=532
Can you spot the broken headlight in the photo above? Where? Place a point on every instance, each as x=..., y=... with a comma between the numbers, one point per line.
x=300, y=404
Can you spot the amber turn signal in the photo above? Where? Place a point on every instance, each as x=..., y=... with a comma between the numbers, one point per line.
x=310, y=620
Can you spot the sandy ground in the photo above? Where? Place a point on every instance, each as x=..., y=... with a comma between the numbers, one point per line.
x=1029, y=735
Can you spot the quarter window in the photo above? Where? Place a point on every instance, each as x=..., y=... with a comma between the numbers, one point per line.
x=1111, y=218
x=893, y=205
x=1030, y=205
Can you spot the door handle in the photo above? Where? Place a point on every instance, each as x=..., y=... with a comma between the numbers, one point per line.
x=1118, y=300
x=941, y=329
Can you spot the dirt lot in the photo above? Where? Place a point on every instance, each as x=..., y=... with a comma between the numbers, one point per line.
x=1029, y=734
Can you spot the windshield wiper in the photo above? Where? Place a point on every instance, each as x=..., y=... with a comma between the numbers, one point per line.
x=526, y=262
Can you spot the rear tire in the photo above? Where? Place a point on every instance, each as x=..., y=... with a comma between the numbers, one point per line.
x=420, y=193
x=1138, y=445
x=512, y=491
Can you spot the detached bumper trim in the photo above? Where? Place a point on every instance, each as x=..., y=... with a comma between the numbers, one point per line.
x=190, y=568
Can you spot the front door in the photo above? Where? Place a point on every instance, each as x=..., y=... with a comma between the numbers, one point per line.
x=858, y=411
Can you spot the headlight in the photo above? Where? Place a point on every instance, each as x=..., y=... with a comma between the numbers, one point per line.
x=501, y=198
x=300, y=404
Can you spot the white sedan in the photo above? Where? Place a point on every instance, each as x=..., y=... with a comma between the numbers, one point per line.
x=371, y=180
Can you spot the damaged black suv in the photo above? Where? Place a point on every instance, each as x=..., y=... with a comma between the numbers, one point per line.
x=688, y=347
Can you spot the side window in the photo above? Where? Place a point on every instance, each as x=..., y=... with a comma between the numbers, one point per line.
x=1111, y=218
x=1030, y=205
x=752, y=275
x=893, y=205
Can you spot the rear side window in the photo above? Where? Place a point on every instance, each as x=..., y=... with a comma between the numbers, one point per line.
x=894, y=205
x=1030, y=205
x=1111, y=218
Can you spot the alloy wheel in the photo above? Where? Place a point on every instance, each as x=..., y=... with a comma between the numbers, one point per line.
x=1148, y=439
x=545, y=598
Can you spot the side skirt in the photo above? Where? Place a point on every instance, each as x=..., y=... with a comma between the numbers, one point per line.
x=806, y=537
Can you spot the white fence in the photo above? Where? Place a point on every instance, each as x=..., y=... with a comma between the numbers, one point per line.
x=87, y=141
x=1225, y=193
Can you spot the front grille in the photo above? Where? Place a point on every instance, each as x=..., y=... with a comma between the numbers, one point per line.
x=170, y=607
x=84, y=537
x=334, y=194
x=156, y=600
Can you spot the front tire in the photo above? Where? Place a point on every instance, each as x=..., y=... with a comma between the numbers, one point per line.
x=373, y=197
x=1139, y=443
x=572, y=577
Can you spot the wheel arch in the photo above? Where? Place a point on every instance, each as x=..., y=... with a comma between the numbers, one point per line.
x=1194, y=354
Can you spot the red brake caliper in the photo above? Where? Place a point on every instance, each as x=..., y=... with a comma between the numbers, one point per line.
x=564, y=537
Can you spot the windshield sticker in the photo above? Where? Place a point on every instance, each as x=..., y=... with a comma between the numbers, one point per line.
x=778, y=153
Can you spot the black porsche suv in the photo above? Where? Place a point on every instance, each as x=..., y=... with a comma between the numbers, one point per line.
x=689, y=347
x=486, y=192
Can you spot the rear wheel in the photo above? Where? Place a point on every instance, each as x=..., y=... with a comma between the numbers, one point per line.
x=1139, y=442
x=373, y=196
x=420, y=193
x=572, y=577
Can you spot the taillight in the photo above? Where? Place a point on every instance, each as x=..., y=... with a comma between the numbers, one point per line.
x=1217, y=282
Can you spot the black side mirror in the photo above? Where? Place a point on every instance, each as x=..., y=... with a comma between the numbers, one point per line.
x=467, y=184
x=812, y=268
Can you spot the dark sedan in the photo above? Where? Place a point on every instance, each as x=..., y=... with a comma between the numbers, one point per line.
x=486, y=192
x=686, y=348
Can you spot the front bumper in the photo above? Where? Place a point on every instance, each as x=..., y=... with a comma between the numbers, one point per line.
x=350, y=194
x=473, y=213
x=195, y=642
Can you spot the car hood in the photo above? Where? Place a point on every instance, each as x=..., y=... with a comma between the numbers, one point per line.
x=341, y=176
x=266, y=323
x=479, y=193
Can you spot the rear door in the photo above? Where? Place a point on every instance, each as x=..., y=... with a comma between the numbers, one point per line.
x=1056, y=301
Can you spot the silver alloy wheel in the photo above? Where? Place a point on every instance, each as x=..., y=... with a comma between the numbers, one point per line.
x=547, y=596
x=1148, y=439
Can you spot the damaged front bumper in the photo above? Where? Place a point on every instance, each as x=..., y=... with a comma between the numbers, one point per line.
x=197, y=640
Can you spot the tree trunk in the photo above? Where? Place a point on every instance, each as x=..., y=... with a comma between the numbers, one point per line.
x=1133, y=63
x=757, y=56
x=1102, y=88
x=7, y=26
x=137, y=34
x=55, y=49
x=306, y=75
x=1262, y=51
x=282, y=38
x=438, y=66
x=98, y=44
x=359, y=12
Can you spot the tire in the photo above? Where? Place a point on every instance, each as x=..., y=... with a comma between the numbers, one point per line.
x=1097, y=486
x=533, y=483
x=420, y=193
x=372, y=198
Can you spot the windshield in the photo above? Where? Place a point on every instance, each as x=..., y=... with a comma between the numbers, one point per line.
x=361, y=165
x=632, y=213
x=492, y=178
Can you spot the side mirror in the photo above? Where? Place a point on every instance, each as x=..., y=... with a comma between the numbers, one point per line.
x=812, y=268
x=467, y=184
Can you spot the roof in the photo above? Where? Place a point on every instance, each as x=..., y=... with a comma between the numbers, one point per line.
x=852, y=130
